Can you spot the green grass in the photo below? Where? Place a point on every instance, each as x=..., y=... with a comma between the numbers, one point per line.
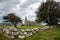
x=2, y=37
x=29, y=27
x=24, y=27
x=51, y=34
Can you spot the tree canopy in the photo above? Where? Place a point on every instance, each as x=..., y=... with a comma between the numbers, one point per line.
x=49, y=12
x=12, y=18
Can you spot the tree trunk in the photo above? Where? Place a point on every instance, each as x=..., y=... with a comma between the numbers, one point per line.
x=15, y=26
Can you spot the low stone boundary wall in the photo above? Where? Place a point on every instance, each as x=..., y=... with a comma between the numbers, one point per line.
x=21, y=33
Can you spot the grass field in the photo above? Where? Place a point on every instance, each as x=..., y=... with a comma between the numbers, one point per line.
x=23, y=27
x=2, y=37
x=51, y=34
x=29, y=27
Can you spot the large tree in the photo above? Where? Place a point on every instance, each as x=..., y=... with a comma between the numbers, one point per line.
x=12, y=18
x=49, y=12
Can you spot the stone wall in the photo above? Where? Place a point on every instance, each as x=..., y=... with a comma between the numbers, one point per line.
x=22, y=33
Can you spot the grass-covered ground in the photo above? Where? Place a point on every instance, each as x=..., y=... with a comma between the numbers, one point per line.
x=2, y=36
x=29, y=27
x=51, y=34
x=23, y=27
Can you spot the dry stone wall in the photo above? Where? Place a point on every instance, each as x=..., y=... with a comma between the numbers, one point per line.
x=21, y=33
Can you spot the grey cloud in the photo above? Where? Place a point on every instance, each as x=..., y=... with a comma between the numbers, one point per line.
x=6, y=6
x=29, y=2
x=31, y=17
x=25, y=5
x=1, y=19
x=2, y=0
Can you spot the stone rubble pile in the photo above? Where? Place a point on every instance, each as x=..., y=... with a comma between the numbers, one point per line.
x=21, y=33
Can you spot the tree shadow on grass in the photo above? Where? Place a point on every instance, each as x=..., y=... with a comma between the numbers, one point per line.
x=57, y=38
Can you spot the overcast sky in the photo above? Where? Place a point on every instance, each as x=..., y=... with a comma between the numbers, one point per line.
x=22, y=8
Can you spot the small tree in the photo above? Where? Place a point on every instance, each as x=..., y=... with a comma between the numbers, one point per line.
x=49, y=12
x=13, y=19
